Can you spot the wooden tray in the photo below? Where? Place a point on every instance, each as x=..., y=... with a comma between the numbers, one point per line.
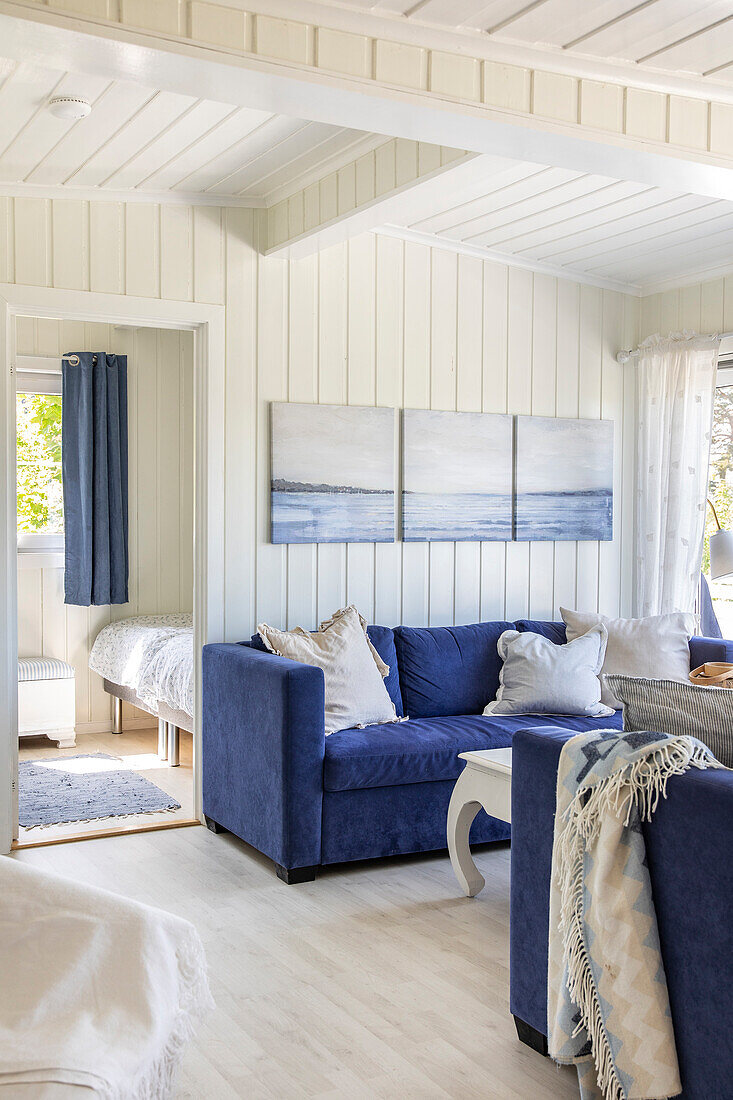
x=713, y=674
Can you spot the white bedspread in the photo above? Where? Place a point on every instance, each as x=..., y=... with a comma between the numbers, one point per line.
x=99, y=992
x=152, y=654
x=168, y=677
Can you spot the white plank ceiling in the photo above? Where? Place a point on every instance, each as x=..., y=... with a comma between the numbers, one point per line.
x=144, y=141
x=156, y=141
x=694, y=36
x=585, y=226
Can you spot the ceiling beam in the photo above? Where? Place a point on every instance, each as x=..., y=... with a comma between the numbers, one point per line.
x=53, y=39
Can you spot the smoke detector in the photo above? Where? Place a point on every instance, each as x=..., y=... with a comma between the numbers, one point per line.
x=67, y=106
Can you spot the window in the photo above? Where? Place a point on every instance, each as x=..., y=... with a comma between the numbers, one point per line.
x=38, y=458
x=720, y=491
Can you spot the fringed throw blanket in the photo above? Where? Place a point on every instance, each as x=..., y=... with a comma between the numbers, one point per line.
x=608, y=1008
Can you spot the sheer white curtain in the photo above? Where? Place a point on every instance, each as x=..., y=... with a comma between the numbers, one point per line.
x=676, y=389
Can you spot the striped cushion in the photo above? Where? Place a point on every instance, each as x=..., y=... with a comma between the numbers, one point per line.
x=672, y=707
x=43, y=668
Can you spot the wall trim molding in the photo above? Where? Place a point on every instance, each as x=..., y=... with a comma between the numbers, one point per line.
x=706, y=275
x=156, y=198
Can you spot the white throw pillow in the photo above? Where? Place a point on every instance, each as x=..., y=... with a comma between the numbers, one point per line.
x=540, y=677
x=352, y=668
x=657, y=647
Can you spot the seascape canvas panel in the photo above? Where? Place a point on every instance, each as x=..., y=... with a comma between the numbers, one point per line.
x=332, y=473
x=564, y=479
x=457, y=476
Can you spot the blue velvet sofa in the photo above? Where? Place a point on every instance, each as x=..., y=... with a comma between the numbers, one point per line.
x=272, y=777
x=689, y=846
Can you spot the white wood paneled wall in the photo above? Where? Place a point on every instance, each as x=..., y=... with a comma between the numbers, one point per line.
x=381, y=321
x=704, y=307
x=372, y=321
x=160, y=431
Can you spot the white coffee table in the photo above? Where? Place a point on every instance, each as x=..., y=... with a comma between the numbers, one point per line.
x=486, y=781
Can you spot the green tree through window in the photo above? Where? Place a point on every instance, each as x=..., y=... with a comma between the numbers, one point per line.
x=40, y=496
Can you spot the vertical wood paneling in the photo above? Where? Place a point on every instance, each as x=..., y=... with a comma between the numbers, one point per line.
x=612, y=398
x=389, y=313
x=544, y=369
x=416, y=395
x=70, y=244
x=492, y=596
x=443, y=345
x=33, y=245
x=303, y=386
x=142, y=250
x=589, y=406
x=362, y=390
x=469, y=398
x=176, y=252
x=107, y=247
x=375, y=321
x=566, y=404
x=272, y=385
x=332, y=390
x=240, y=427
x=519, y=400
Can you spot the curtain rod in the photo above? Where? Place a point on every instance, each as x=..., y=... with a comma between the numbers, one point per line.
x=624, y=356
x=38, y=364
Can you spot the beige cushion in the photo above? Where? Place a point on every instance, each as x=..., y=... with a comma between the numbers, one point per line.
x=656, y=647
x=353, y=670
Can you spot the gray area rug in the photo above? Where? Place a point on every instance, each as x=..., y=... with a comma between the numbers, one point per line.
x=84, y=788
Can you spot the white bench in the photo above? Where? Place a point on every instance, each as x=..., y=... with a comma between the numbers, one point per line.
x=47, y=700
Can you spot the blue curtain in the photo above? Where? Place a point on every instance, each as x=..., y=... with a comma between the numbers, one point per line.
x=94, y=467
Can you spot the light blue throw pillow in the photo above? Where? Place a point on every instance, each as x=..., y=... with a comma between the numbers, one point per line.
x=540, y=677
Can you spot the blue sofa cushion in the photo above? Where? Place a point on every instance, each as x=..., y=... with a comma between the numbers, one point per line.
x=448, y=670
x=554, y=631
x=426, y=749
x=382, y=638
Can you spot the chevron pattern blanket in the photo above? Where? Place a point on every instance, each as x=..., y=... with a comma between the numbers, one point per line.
x=608, y=1008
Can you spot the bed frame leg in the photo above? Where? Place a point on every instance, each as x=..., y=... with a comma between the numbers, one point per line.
x=174, y=758
x=116, y=714
x=162, y=739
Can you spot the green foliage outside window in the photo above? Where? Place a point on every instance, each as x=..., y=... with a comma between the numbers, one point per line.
x=40, y=495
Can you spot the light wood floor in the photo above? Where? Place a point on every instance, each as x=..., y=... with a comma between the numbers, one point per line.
x=377, y=981
x=139, y=750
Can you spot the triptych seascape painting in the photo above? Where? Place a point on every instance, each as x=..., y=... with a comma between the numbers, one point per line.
x=465, y=477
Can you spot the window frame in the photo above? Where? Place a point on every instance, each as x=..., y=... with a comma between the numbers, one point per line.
x=34, y=543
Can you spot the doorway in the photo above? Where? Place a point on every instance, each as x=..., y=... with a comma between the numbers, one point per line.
x=205, y=326
x=78, y=776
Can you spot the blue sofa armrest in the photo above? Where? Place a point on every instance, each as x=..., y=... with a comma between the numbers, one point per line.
x=709, y=649
x=263, y=750
x=689, y=844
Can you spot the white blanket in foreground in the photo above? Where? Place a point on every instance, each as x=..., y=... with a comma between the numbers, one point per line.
x=98, y=991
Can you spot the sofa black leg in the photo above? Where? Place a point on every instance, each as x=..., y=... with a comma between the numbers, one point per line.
x=293, y=875
x=214, y=826
x=531, y=1036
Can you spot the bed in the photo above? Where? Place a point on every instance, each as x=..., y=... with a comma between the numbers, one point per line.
x=147, y=660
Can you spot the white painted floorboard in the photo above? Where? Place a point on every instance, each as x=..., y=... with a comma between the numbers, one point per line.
x=378, y=980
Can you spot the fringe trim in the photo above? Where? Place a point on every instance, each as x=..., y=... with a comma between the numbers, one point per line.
x=104, y=817
x=194, y=1003
x=637, y=787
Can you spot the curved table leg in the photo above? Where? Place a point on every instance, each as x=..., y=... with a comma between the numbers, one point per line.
x=460, y=819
